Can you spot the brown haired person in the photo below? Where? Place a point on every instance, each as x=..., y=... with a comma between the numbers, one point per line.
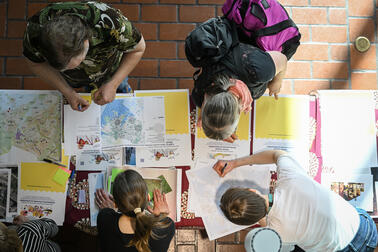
x=29, y=235
x=303, y=212
x=83, y=45
x=132, y=228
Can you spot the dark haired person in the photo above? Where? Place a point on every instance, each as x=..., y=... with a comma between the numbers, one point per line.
x=83, y=45
x=29, y=235
x=303, y=212
x=132, y=228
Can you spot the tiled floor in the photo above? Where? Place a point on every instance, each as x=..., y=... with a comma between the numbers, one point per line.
x=195, y=240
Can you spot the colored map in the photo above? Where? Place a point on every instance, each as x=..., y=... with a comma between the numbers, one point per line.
x=122, y=122
x=30, y=121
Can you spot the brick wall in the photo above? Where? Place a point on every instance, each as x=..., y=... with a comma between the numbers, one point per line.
x=326, y=59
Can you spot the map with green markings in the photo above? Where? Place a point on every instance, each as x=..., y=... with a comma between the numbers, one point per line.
x=30, y=121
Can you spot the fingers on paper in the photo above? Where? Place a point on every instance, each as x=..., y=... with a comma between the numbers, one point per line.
x=219, y=166
x=229, y=140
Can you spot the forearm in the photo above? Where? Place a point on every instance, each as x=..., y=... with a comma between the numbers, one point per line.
x=277, y=80
x=264, y=157
x=127, y=64
x=51, y=76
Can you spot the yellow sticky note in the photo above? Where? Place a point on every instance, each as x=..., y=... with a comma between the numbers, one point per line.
x=61, y=175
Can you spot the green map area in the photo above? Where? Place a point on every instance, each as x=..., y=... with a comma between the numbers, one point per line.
x=31, y=121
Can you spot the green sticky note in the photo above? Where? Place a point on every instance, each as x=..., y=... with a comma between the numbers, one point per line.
x=61, y=176
x=115, y=172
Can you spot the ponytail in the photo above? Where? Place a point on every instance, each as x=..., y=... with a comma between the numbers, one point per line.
x=130, y=195
x=143, y=229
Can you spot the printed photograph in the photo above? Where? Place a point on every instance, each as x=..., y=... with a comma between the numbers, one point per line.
x=4, y=175
x=348, y=191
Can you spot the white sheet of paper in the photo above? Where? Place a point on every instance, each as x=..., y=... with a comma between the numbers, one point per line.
x=5, y=181
x=177, y=149
x=95, y=181
x=99, y=161
x=82, y=130
x=133, y=121
x=178, y=194
x=81, y=197
x=283, y=124
x=365, y=200
x=208, y=188
x=348, y=131
x=38, y=194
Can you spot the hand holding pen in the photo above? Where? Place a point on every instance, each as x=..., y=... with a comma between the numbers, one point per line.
x=222, y=167
x=77, y=102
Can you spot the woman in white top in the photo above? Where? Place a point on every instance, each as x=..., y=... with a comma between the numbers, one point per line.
x=303, y=212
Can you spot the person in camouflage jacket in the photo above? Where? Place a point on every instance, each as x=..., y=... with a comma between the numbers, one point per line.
x=82, y=45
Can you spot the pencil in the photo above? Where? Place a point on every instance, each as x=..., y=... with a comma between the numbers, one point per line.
x=53, y=162
x=224, y=167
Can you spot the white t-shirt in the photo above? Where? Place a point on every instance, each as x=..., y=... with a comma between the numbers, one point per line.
x=308, y=214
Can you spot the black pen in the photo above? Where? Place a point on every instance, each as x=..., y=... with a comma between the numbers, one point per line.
x=224, y=167
x=53, y=162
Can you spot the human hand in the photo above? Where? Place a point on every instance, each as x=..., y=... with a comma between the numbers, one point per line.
x=274, y=88
x=231, y=138
x=105, y=94
x=104, y=199
x=222, y=167
x=199, y=120
x=77, y=102
x=20, y=219
x=160, y=204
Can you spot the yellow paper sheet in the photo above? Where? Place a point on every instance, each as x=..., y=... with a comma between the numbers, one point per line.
x=65, y=159
x=40, y=177
x=176, y=104
x=88, y=97
x=242, y=130
x=279, y=119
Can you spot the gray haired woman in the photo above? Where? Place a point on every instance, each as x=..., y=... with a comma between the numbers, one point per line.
x=224, y=95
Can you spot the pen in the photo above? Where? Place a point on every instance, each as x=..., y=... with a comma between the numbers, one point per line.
x=79, y=107
x=72, y=174
x=53, y=162
x=224, y=167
